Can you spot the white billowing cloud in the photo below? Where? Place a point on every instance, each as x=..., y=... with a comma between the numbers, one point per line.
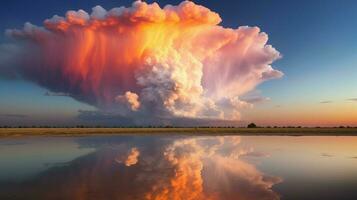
x=171, y=62
x=98, y=13
x=131, y=99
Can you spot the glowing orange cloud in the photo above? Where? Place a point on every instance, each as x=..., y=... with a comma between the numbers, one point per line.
x=130, y=159
x=174, y=61
x=187, y=182
x=133, y=157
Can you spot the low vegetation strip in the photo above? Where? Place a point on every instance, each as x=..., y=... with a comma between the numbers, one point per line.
x=188, y=131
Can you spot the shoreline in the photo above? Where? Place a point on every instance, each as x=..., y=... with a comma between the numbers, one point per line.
x=16, y=132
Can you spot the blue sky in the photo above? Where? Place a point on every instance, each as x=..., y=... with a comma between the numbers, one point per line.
x=316, y=38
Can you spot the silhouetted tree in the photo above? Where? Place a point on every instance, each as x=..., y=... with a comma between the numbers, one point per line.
x=252, y=125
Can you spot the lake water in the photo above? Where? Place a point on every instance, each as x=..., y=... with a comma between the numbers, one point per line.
x=179, y=167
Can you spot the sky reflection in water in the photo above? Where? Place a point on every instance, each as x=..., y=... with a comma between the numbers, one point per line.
x=177, y=167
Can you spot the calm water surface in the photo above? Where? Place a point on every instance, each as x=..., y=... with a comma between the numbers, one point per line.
x=179, y=167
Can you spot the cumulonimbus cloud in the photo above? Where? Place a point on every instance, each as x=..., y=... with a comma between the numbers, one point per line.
x=175, y=61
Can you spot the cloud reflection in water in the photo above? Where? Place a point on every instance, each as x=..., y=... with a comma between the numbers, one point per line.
x=157, y=168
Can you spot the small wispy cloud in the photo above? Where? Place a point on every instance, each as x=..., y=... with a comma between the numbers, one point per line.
x=326, y=155
x=352, y=99
x=255, y=100
x=325, y=102
x=59, y=94
x=13, y=115
x=354, y=157
x=257, y=154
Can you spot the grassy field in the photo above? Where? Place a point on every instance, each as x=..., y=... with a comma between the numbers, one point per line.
x=5, y=132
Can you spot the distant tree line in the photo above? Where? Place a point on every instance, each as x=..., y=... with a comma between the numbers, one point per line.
x=251, y=125
x=102, y=126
